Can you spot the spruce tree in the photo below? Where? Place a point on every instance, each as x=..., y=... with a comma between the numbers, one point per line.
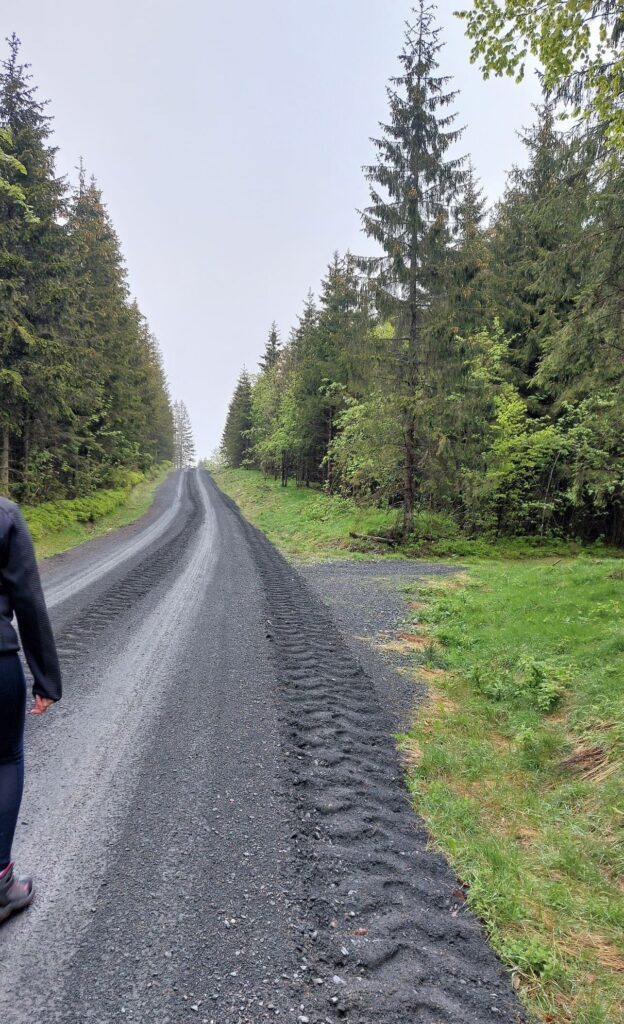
x=83, y=396
x=304, y=405
x=35, y=379
x=537, y=227
x=236, y=441
x=157, y=425
x=582, y=368
x=183, y=443
x=13, y=199
x=340, y=351
x=413, y=183
x=469, y=287
x=271, y=350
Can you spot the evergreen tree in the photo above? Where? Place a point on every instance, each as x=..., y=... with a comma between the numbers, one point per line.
x=413, y=184
x=236, y=441
x=340, y=353
x=35, y=379
x=582, y=368
x=13, y=198
x=537, y=228
x=469, y=286
x=271, y=351
x=83, y=396
x=157, y=427
x=183, y=443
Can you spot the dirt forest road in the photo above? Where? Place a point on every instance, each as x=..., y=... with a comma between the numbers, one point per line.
x=214, y=813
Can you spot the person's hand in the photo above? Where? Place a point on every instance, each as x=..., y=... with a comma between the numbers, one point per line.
x=41, y=704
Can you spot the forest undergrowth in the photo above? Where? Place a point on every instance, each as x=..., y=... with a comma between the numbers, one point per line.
x=57, y=526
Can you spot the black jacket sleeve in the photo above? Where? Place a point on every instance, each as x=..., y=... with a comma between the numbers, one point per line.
x=20, y=575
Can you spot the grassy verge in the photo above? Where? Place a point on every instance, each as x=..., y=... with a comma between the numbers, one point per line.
x=303, y=521
x=515, y=762
x=308, y=523
x=60, y=525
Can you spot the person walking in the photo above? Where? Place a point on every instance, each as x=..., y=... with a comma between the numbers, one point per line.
x=20, y=595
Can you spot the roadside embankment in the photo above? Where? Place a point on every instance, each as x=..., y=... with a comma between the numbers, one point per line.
x=307, y=523
x=304, y=522
x=57, y=526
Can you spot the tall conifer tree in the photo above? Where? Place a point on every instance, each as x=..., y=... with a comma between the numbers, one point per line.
x=236, y=440
x=183, y=443
x=413, y=183
x=34, y=377
x=272, y=349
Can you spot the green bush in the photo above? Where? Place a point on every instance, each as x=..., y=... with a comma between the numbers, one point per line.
x=434, y=526
x=538, y=746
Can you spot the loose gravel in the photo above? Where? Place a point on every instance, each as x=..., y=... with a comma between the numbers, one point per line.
x=364, y=599
x=383, y=917
x=215, y=814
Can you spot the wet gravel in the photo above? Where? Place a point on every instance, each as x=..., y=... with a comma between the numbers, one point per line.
x=365, y=600
x=383, y=921
x=215, y=814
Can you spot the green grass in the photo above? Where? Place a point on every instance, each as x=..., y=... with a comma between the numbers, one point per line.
x=303, y=521
x=516, y=765
x=308, y=523
x=58, y=526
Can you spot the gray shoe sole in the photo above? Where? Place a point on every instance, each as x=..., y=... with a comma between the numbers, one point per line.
x=15, y=906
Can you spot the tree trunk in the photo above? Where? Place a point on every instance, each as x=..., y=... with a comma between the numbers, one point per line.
x=4, y=462
x=408, y=477
x=329, y=468
x=26, y=453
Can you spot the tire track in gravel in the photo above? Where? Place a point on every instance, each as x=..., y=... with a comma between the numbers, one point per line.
x=68, y=586
x=75, y=640
x=380, y=910
x=73, y=816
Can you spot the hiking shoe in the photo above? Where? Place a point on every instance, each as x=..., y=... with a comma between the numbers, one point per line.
x=15, y=893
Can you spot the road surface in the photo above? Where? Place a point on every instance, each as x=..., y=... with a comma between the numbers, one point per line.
x=214, y=814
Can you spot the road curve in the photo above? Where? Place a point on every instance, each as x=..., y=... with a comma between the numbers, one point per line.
x=214, y=813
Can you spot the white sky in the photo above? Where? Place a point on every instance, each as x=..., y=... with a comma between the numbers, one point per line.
x=228, y=140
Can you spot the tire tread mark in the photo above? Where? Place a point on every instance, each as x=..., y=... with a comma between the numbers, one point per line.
x=75, y=643
x=377, y=904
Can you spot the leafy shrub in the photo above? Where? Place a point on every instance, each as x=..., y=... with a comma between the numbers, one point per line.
x=434, y=526
x=531, y=683
x=327, y=508
x=531, y=958
x=543, y=683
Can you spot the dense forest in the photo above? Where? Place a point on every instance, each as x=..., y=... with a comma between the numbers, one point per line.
x=473, y=369
x=83, y=394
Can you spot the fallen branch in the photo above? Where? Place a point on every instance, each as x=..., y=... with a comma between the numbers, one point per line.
x=371, y=536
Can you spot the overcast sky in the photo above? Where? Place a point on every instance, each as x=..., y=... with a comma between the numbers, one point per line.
x=228, y=140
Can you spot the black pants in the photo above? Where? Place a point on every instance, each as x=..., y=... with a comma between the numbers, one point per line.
x=12, y=717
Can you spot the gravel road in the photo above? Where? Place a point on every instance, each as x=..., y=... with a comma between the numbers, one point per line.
x=214, y=813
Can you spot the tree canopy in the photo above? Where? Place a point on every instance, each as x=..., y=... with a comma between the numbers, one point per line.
x=83, y=394
x=473, y=371
x=579, y=45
